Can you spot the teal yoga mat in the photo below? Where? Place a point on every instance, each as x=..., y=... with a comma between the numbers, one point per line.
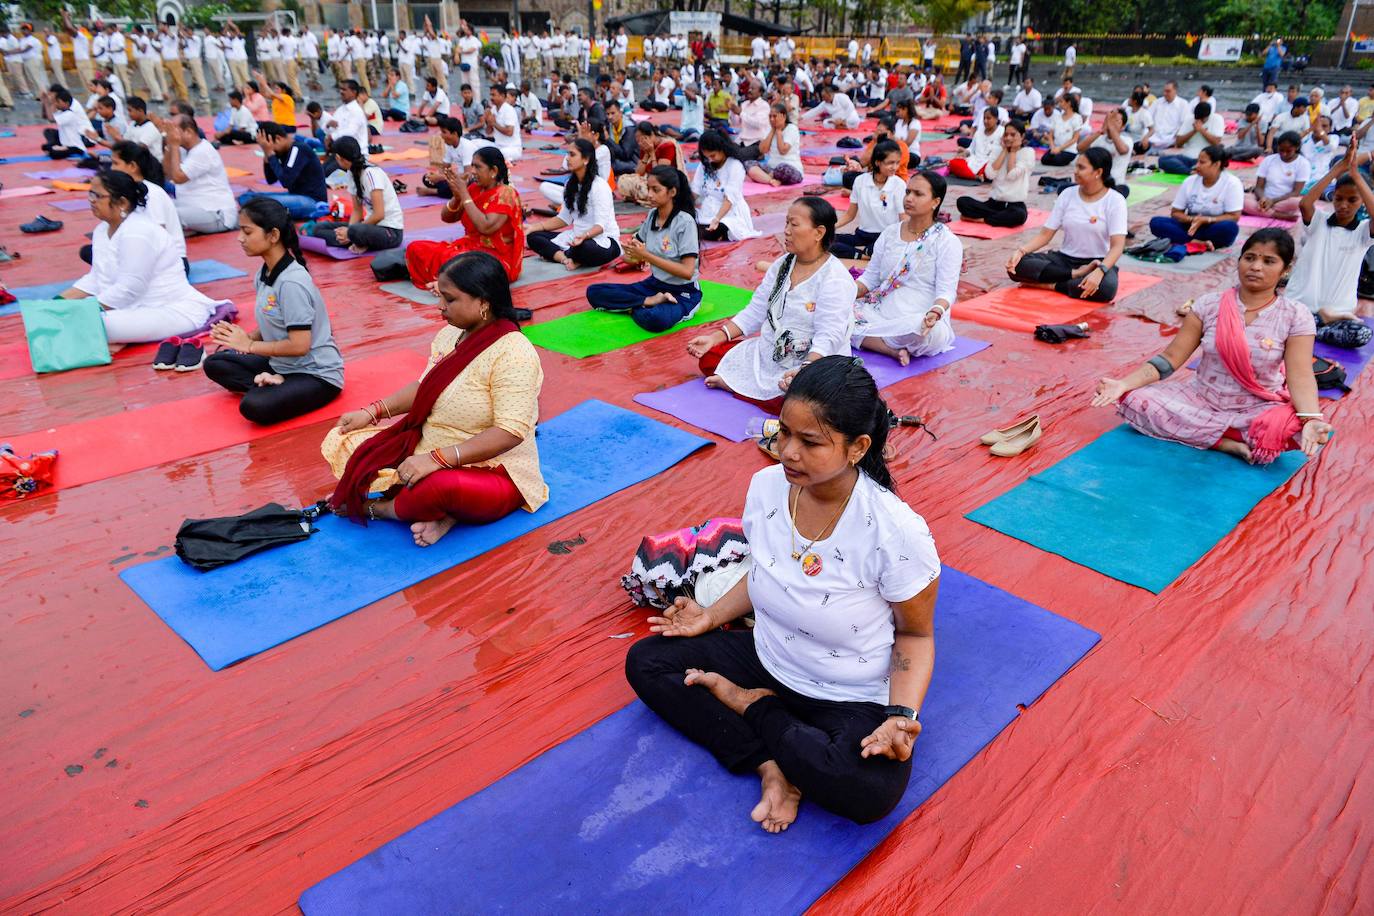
x=1137, y=509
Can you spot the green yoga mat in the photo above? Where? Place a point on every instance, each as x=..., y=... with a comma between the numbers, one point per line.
x=1162, y=178
x=591, y=332
x=1141, y=192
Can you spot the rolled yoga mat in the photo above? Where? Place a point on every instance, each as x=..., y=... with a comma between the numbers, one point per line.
x=634, y=818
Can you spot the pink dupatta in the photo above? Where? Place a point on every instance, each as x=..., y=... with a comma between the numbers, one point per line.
x=1270, y=431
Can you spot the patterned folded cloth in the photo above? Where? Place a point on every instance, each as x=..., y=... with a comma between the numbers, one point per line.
x=666, y=565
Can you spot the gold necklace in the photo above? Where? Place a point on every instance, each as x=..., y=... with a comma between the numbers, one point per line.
x=810, y=562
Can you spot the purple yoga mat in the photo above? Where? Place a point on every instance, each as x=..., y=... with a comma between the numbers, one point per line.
x=414, y=203
x=446, y=233
x=1353, y=361
x=70, y=174
x=70, y=206
x=725, y=415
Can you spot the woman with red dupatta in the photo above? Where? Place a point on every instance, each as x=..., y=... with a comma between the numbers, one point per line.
x=461, y=449
x=1253, y=395
x=493, y=221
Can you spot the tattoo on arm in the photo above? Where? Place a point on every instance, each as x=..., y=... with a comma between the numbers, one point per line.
x=900, y=662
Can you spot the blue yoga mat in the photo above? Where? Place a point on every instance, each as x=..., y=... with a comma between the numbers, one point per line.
x=229, y=614
x=206, y=271
x=1138, y=509
x=6, y=160
x=630, y=817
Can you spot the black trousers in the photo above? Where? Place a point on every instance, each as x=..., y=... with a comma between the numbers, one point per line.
x=816, y=743
x=587, y=254
x=852, y=244
x=1055, y=267
x=1065, y=158
x=993, y=212
x=267, y=404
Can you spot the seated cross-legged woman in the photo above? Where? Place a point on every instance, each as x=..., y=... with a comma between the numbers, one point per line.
x=1254, y=394
x=584, y=233
x=875, y=202
x=490, y=211
x=1064, y=130
x=136, y=274
x=667, y=243
x=463, y=448
x=911, y=283
x=802, y=310
x=1207, y=205
x=290, y=365
x=1093, y=218
x=971, y=163
x=377, y=222
x=822, y=696
x=1280, y=180
x=718, y=185
x=1010, y=173
x=1327, y=273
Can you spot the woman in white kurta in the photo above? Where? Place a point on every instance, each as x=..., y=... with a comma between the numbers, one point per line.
x=135, y=160
x=986, y=142
x=718, y=185
x=875, y=202
x=906, y=293
x=584, y=233
x=136, y=274
x=802, y=310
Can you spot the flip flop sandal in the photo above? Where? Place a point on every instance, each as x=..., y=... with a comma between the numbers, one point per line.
x=769, y=446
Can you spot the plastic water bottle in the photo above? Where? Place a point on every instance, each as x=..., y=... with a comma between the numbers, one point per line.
x=761, y=427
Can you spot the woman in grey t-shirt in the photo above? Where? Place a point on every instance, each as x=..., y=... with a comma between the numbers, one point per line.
x=667, y=243
x=290, y=365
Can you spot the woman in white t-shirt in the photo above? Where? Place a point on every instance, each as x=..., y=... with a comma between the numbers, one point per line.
x=822, y=697
x=971, y=163
x=137, y=161
x=718, y=186
x=802, y=310
x=1093, y=218
x=907, y=128
x=1112, y=137
x=584, y=233
x=780, y=149
x=376, y=222
x=1279, y=180
x=1065, y=127
x=1010, y=174
x=1326, y=275
x=875, y=202
x=1207, y=205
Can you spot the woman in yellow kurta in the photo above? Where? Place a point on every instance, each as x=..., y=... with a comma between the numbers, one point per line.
x=463, y=449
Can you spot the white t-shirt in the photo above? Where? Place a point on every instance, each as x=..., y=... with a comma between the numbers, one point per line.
x=469, y=48
x=147, y=134
x=439, y=99
x=1285, y=121
x=349, y=121
x=1027, y=101
x=139, y=268
x=72, y=124
x=207, y=184
x=878, y=207
x=81, y=46
x=1170, y=117
x=164, y=213
x=511, y=146
x=830, y=635
x=1226, y=196
x=375, y=179
x=1327, y=273
x=1215, y=125
x=1063, y=129
x=1319, y=155
x=1280, y=178
x=1138, y=121
x=663, y=91
x=1088, y=227
x=791, y=136
x=1120, y=161
x=600, y=212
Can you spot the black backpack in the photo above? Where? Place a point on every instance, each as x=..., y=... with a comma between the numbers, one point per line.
x=1366, y=281
x=1329, y=373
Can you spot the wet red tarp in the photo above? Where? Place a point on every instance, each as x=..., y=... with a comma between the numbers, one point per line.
x=1210, y=755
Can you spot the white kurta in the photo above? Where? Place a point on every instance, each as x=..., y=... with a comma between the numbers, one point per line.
x=815, y=316
x=903, y=279
x=725, y=183
x=600, y=212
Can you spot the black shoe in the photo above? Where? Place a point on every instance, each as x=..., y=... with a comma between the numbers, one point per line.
x=189, y=357
x=41, y=224
x=523, y=314
x=1347, y=333
x=167, y=352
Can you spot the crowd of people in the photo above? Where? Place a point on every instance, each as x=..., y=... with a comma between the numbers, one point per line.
x=821, y=697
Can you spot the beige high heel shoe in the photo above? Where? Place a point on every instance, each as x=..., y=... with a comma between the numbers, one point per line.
x=1018, y=443
x=998, y=435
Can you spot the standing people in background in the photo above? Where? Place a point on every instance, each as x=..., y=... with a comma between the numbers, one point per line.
x=1273, y=62
x=1070, y=60
x=148, y=60
x=215, y=60
x=470, y=58
x=290, y=48
x=170, y=45
x=408, y=49
x=54, y=50
x=236, y=54
x=620, y=48
x=204, y=202
x=192, y=46
x=81, y=48
x=1019, y=61
x=117, y=49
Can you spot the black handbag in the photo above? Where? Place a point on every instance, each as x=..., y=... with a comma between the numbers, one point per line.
x=209, y=543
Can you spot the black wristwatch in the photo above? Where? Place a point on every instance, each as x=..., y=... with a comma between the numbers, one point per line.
x=901, y=712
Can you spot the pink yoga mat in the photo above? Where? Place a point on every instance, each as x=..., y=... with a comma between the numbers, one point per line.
x=1034, y=220
x=1266, y=222
x=32, y=191
x=725, y=415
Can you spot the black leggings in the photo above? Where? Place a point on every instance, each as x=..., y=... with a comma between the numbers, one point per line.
x=587, y=254
x=1065, y=158
x=1055, y=267
x=852, y=244
x=816, y=743
x=993, y=212
x=267, y=404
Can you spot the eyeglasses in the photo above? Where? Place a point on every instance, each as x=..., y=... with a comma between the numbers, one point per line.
x=93, y=196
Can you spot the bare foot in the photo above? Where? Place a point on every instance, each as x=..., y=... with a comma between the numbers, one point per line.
x=714, y=381
x=267, y=378
x=428, y=533
x=775, y=182
x=736, y=698
x=1085, y=269
x=659, y=298
x=777, y=807
x=903, y=357
x=1232, y=447
x=357, y=249
x=762, y=266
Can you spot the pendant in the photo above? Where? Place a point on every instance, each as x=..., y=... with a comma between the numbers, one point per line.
x=811, y=564
x=796, y=555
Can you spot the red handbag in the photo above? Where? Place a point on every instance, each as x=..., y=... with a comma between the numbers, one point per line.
x=21, y=477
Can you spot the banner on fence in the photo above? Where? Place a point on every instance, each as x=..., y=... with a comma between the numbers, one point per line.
x=686, y=22
x=1222, y=49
